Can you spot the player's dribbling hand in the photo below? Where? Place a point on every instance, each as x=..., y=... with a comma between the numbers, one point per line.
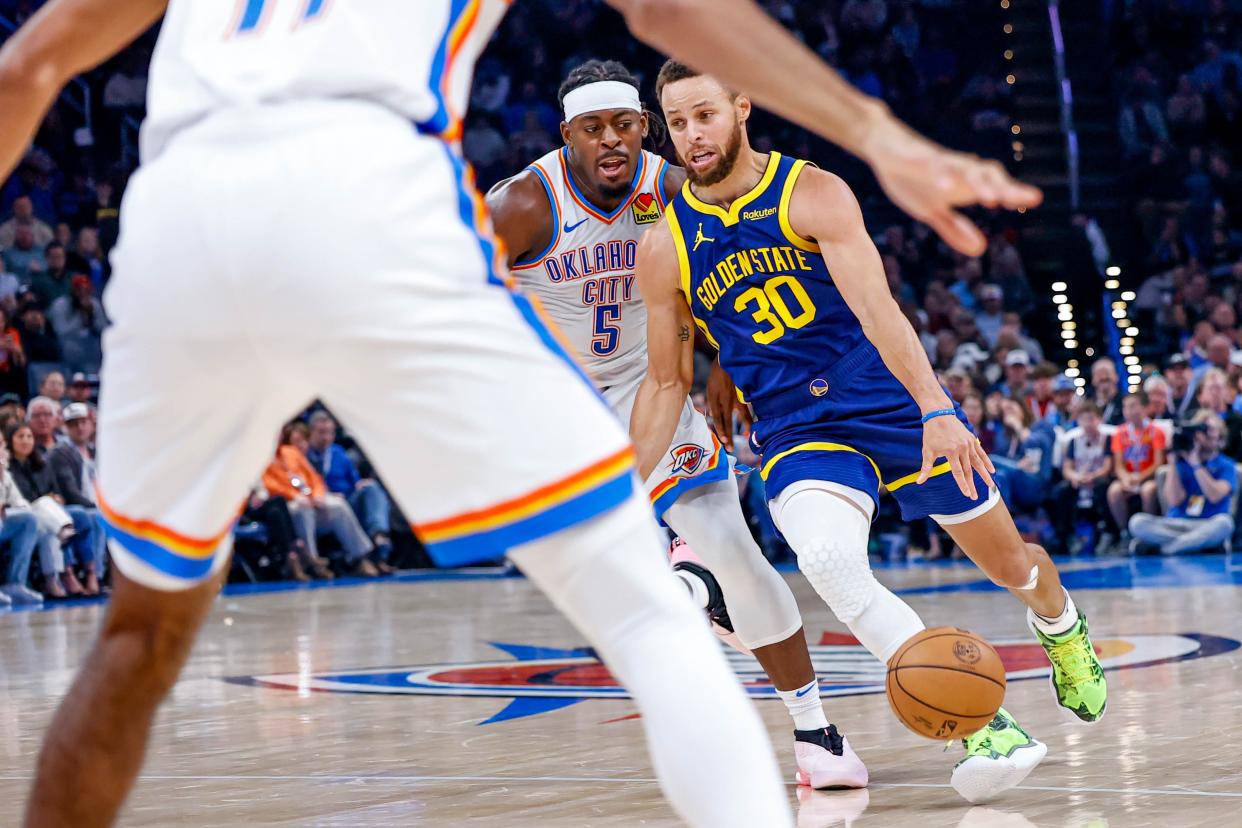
x=946, y=437
x=723, y=405
x=929, y=182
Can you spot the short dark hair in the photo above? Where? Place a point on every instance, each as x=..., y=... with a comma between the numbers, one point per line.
x=594, y=71
x=1090, y=408
x=671, y=72
x=1044, y=370
x=1139, y=395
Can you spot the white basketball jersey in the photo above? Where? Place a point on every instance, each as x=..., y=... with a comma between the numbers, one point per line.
x=415, y=57
x=585, y=277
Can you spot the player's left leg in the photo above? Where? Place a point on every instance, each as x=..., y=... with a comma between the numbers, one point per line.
x=988, y=536
x=764, y=614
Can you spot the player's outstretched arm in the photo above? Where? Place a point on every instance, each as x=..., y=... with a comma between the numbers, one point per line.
x=824, y=209
x=670, y=350
x=521, y=216
x=62, y=39
x=747, y=50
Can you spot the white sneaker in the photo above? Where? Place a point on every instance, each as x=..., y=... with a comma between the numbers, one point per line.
x=20, y=596
x=998, y=757
x=826, y=760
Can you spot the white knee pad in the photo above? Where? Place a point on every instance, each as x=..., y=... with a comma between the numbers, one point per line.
x=828, y=529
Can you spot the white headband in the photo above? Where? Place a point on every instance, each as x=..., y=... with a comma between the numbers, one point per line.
x=601, y=95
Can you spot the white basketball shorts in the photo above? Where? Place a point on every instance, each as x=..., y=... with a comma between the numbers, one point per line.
x=695, y=457
x=272, y=256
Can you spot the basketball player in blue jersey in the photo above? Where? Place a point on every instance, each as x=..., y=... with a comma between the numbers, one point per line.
x=770, y=258
x=596, y=194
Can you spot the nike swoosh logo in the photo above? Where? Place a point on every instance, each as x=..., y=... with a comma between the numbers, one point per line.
x=800, y=693
x=569, y=229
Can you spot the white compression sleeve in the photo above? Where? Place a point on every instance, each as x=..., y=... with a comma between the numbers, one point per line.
x=611, y=578
x=829, y=535
x=761, y=605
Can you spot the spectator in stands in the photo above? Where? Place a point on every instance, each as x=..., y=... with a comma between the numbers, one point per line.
x=53, y=387
x=12, y=357
x=1219, y=350
x=958, y=381
x=19, y=531
x=34, y=479
x=1181, y=387
x=80, y=389
x=1104, y=391
x=1086, y=472
x=88, y=257
x=79, y=322
x=1022, y=456
x=73, y=467
x=1140, y=126
x=1138, y=451
x=365, y=495
x=1065, y=402
x=1198, y=488
x=973, y=408
x=23, y=258
x=1040, y=399
x=23, y=216
x=991, y=315
x=1017, y=374
x=52, y=283
x=282, y=535
x=1213, y=388
x=1187, y=112
x=38, y=339
x=312, y=506
x=43, y=414
x=969, y=274
x=1157, y=391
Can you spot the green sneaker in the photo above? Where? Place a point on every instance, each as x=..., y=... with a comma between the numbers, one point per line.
x=997, y=757
x=1077, y=676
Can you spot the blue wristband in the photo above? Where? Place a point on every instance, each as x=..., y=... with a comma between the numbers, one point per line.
x=940, y=412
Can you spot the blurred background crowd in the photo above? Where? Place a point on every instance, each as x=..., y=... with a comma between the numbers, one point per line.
x=1095, y=347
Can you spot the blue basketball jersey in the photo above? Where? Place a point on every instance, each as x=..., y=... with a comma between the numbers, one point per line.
x=761, y=293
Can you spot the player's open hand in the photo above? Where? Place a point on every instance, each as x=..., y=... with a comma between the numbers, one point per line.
x=946, y=437
x=929, y=182
x=723, y=405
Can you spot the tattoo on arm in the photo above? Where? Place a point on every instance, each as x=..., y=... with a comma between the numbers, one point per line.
x=684, y=333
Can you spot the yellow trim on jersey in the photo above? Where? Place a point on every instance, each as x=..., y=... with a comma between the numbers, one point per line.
x=767, y=467
x=937, y=470
x=734, y=213
x=782, y=211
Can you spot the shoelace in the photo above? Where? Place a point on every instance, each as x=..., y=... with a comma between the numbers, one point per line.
x=1069, y=657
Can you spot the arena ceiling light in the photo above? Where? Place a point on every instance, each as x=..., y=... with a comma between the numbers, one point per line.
x=1112, y=270
x=1112, y=284
x=1129, y=296
x=1132, y=331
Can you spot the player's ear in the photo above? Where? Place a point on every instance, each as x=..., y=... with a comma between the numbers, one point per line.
x=566, y=133
x=741, y=105
x=645, y=121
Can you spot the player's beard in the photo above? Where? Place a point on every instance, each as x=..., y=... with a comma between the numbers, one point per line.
x=723, y=166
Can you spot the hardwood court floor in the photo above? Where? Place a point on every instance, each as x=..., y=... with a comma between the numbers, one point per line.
x=338, y=731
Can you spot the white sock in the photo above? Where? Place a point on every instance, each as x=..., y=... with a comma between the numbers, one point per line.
x=805, y=707
x=610, y=577
x=1060, y=625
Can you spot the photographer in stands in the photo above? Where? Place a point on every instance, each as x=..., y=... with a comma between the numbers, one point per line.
x=1198, y=488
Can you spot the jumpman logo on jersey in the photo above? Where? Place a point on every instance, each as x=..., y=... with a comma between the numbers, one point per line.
x=699, y=238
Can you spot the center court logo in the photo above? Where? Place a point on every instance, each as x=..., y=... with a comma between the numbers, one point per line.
x=539, y=679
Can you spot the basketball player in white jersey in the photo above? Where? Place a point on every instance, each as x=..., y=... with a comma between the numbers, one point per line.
x=273, y=124
x=571, y=222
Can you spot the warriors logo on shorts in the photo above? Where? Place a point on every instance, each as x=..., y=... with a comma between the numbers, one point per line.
x=687, y=458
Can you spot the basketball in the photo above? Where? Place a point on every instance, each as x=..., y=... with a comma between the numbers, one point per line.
x=945, y=683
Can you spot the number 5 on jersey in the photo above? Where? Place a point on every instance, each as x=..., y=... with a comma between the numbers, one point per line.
x=607, y=333
x=252, y=15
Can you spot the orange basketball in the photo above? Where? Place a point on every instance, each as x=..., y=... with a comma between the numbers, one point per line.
x=945, y=683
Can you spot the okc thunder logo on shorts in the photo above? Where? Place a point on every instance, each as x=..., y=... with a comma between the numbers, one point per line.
x=534, y=680
x=687, y=458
